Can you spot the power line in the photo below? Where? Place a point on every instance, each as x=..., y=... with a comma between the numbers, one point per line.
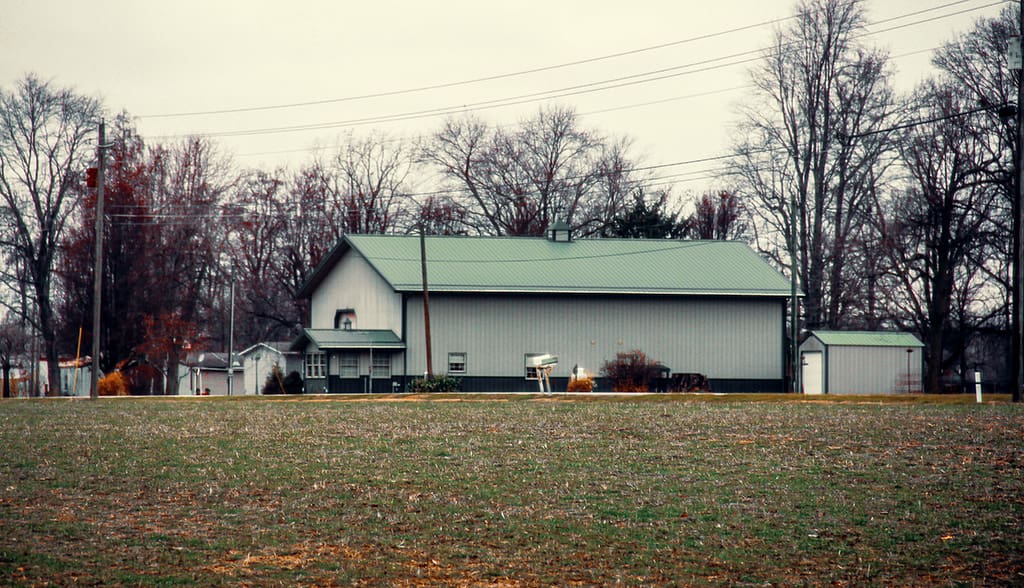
x=579, y=89
x=476, y=80
x=525, y=72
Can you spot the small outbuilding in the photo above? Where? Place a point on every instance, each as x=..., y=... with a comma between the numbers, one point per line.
x=259, y=361
x=861, y=362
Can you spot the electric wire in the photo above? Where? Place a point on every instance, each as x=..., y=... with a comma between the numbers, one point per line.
x=579, y=89
x=519, y=73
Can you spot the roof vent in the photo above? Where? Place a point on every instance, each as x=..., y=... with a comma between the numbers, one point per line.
x=559, y=232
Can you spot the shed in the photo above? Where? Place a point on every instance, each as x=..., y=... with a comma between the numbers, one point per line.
x=258, y=363
x=861, y=362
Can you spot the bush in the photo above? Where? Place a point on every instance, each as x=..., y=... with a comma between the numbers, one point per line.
x=274, y=383
x=581, y=385
x=629, y=372
x=112, y=384
x=293, y=383
x=443, y=383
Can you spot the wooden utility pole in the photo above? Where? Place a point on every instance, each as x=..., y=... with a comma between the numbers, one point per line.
x=426, y=302
x=1017, y=294
x=97, y=274
x=794, y=312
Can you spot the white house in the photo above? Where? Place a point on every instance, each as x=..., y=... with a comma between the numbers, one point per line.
x=708, y=307
x=259, y=361
x=75, y=377
x=206, y=372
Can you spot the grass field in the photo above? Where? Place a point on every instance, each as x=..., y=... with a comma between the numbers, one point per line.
x=511, y=491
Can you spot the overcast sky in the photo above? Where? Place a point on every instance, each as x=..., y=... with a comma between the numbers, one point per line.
x=155, y=58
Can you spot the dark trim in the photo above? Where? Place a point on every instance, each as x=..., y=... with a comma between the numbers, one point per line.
x=510, y=384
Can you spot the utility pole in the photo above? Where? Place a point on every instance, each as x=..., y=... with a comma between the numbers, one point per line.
x=1017, y=295
x=426, y=302
x=97, y=274
x=794, y=312
x=231, y=335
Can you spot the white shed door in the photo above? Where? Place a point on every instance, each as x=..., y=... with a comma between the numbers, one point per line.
x=813, y=373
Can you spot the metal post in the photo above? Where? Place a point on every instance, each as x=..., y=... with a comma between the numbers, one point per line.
x=97, y=274
x=909, y=376
x=426, y=303
x=231, y=336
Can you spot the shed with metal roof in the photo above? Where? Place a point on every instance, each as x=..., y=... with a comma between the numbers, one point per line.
x=709, y=307
x=861, y=362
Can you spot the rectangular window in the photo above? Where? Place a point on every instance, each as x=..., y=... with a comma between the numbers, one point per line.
x=457, y=363
x=381, y=366
x=316, y=365
x=531, y=372
x=348, y=365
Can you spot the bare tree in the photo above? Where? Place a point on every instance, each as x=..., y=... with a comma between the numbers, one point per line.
x=717, y=217
x=941, y=227
x=257, y=220
x=974, y=63
x=811, y=139
x=44, y=148
x=367, y=184
x=515, y=182
x=13, y=342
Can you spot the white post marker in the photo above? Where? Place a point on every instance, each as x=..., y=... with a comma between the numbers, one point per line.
x=977, y=386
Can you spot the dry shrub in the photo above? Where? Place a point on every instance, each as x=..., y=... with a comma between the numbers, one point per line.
x=629, y=372
x=113, y=384
x=581, y=385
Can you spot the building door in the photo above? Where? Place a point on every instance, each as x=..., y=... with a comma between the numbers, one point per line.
x=813, y=374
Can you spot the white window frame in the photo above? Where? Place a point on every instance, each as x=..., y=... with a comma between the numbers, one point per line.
x=381, y=366
x=316, y=365
x=456, y=359
x=351, y=370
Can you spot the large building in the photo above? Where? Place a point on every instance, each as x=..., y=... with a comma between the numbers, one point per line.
x=708, y=307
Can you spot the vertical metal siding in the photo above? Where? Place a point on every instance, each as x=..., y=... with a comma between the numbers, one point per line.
x=353, y=283
x=871, y=370
x=721, y=338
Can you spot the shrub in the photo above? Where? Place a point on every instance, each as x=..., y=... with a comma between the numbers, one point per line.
x=274, y=383
x=443, y=383
x=629, y=372
x=581, y=385
x=112, y=384
x=293, y=383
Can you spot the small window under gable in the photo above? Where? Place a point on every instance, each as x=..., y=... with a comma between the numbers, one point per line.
x=344, y=318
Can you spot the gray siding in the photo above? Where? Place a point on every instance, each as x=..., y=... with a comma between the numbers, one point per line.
x=736, y=339
x=353, y=283
x=871, y=370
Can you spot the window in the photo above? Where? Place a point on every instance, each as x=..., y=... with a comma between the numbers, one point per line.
x=381, y=366
x=457, y=363
x=531, y=372
x=316, y=365
x=348, y=365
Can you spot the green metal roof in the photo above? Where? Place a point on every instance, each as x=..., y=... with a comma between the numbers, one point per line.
x=354, y=339
x=588, y=266
x=867, y=339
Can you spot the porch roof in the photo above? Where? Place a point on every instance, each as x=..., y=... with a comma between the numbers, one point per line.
x=349, y=339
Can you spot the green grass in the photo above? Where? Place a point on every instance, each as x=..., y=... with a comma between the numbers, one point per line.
x=512, y=490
